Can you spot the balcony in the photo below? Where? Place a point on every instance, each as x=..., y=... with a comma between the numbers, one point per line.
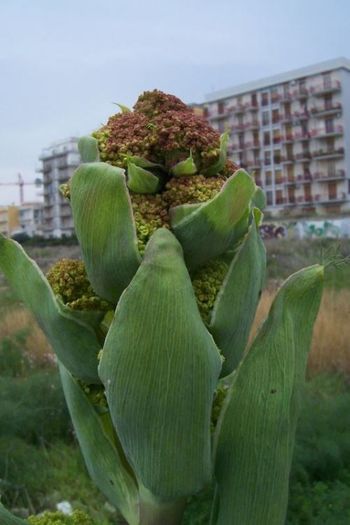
x=304, y=156
x=302, y=178
x=253, y=124
x=331, y=132
x=325, y=110
x=322, y=154
x=330, y=199
x=286, y=96
x=275, y=97
x=254, y=164
x=289, y=137
x=238, y=127
x=252, y=145
x=300, y=115
x=326, y=87
x=300, y=136
x=301, y=92
x=286, y=117
x=321, y=176
x=250, y=106
x=287, y=159
x=237, y=108
x=300, y=201
x=217, y=115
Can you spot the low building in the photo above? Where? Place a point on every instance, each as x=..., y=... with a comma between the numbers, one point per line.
x=9, y=220
x=58, y=163
x=292, y=132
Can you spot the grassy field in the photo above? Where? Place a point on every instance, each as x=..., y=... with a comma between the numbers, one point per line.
x=40, y=463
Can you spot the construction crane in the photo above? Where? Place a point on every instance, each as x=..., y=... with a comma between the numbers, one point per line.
x=21, y=183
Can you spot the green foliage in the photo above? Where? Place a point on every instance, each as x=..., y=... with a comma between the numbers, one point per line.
x=58, y=518
x=34, y=408
x=13, y=361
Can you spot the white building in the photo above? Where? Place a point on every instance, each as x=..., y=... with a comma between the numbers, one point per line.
x=292, y=132
x=31, y=218
x=58, y=163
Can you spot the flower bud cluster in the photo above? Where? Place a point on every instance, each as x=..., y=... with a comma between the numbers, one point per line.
x=69, y=281
x=161, y=129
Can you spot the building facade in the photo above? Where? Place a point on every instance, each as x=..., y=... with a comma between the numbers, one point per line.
x=292, y=133
x=58, y=163
x=31, y=218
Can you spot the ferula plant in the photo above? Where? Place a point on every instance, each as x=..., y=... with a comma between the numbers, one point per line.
x=151, y=329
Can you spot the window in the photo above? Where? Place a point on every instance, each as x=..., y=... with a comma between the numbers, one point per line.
x=328, y=101
x=267, y=158
x=265, y=118
x=277, y=156
x=279, y=196
x=329, y=125
x=241, y=140
x=221, y=108
x=264, y=99
x=221, y=126
x=276, y=136
x=268, y=178
x=275, y=116
x=327, y=80
x=267, y=138
x=254, y=100
x=269, y=198
x=278, y=177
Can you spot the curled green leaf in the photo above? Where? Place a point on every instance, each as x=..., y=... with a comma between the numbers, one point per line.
x=221, y=161
x=212, y=228
x=88, y=149
x=141, y=180
x=160, y=367
x=256, y=429
x=105, y=227
x=185, y=167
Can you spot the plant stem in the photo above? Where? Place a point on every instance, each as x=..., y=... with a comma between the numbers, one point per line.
x=154, y=512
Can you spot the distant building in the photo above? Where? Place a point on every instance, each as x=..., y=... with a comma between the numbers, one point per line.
x=292, y=132
x=31, y=218
x=9, y=220
x=58, y=163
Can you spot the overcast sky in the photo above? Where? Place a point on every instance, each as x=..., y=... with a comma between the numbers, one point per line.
x=63, y=63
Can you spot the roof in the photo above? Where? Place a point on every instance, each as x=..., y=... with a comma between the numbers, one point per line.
x=315, y=69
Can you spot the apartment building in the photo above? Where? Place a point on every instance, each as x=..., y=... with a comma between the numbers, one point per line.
x=58, y=163
x=292, y=132
x=9, y=220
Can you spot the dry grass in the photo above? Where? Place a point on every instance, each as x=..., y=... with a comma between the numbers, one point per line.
x=330, y=350
x=18, y=319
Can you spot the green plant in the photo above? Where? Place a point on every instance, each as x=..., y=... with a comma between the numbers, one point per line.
x=158, y=389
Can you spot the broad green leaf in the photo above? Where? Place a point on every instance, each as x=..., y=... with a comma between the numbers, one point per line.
x=88, y=149
x=73, y=340
x=7, y=518
x=103, y=461
x=185, y=167
x=256, y=430
x=221, y=161
x=178, y=213
x=141, y=180
x=160, y=367
x=238, y=298
x=105, y=227
x=212, y=229
x=259, y=199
